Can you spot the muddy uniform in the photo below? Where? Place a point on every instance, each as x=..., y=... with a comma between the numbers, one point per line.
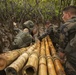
x=51, y=31
x=68, y=41
x=24, y=37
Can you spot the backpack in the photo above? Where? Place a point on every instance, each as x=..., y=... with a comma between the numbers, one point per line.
x=22, y=39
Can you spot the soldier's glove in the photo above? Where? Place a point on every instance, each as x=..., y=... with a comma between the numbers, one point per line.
x=62, y=57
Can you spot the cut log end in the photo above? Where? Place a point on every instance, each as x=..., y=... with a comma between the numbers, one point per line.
x=11, y=71
x=2, y=63
x=2, y=72
x=30, y=70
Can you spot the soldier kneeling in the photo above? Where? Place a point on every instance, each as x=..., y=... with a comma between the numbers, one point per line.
x=25, y=37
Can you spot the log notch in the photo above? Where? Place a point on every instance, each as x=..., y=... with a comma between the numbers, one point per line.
x=8, y=57
x=18, y=64
x=32, y=65
x=42, y=60
x=58, y=66
x=50, y=64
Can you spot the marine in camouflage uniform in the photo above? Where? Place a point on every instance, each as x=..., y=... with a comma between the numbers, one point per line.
x=51, y=31
x=68, y=40
x=24, y=37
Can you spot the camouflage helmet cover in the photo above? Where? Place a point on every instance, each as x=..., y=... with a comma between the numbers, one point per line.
x=29, y=24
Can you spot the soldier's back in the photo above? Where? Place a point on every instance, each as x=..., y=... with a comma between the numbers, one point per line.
x=22, y=39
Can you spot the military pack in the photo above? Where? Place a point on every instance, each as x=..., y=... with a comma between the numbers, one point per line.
x=22, y=39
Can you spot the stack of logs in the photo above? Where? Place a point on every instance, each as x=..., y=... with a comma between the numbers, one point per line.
x=38, y=59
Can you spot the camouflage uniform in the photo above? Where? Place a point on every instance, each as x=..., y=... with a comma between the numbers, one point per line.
x=68, y=41
x=47, y=32
x=24, y=37
x=51, y=31
x=29, y=24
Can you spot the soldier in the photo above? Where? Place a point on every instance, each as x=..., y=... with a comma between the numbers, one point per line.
x=48, y=30
x=51, y=31
x=24, y=37
x=68, y=40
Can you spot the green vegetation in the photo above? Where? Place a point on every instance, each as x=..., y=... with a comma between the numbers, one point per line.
x=37, y=10
x=21, y=10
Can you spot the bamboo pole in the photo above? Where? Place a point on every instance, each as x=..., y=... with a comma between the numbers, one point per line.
x=8, y=57
x=52, y=49
x=18, y=64
x=58, y=66
x=50, y=64
x=42, y=60
x=32, y=65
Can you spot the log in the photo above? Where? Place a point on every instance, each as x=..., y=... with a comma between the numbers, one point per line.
x=32, y=65
x=23, y=72
x=18, y=64
x=22, y=50
x=58, y=66
x=50, y=64
x=47, y=47
x=42, y=60
x=42, y=51
x=52, y=49
x=8, y=57
x=42, y=66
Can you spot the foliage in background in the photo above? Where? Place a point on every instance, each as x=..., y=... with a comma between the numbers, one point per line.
x=37, y=10
x=21, y=10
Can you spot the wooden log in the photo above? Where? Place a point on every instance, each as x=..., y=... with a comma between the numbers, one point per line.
x=47, y=47
x=50, y=64
x=23, y=72
x=42, y=51
x=32, y=65
x=42, y=60
x=8, y=57
x=52, y=49
x=22, y=50
x=58, y=66
x=18, y=64
x=42, y=66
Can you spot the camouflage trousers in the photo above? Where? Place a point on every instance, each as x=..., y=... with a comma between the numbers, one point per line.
x=69, y=69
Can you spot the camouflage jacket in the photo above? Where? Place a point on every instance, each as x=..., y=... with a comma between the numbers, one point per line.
x=22, y=39
x=68, y=32
x=51, y=31
x=68, y=40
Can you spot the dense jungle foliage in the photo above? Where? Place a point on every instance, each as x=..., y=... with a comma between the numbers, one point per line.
x=21, y=10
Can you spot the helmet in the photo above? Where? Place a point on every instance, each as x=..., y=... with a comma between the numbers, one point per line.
x=28, y=24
